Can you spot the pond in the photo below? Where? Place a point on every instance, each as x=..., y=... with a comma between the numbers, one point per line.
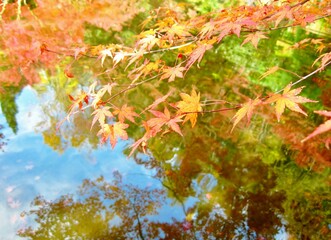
x=217, y=189
x=254, y=181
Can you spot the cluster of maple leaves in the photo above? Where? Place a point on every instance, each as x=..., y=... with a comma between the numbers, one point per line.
x=189, y=38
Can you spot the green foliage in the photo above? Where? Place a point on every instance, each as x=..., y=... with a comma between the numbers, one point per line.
x=9, y=106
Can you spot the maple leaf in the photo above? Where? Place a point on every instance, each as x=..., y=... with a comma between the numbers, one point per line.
x=125, y=112
x=68, y=73
x=270, y=71
x=105, y=53
x=197, y=54
x=286, y=12
x=78, y=102
x=148, y=41
x=143, y=140
x=190, y=106
x=113, y=131
x=135, y=56
x=100, y=115
x=288, y=99
x=163, y=118
x=101, y=92
x=245, y=110
x=172, y=73
x=228, y=28
x=119, y=56
x=254, y=38
x=207, y=29
x=324, y=127
x=79, y=51
x=158, y=101
x=178, y=30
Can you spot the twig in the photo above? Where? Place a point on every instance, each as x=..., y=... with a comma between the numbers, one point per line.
x=305, y=77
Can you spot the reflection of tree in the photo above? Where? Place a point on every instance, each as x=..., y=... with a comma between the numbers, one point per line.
x=252, y=191
x=239, y=210
x=9, y=106
x=2, y=139
x=101, y=211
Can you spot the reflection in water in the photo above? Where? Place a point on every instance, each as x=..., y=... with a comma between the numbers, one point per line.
x=2, y=139
x=101, y=210
x=235, y=203
x=205, y=186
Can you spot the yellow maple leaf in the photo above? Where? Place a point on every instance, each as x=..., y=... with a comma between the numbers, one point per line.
x=246, y=110
x=288, y=99
x=190, y=106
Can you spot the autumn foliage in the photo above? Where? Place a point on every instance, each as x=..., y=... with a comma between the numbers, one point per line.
x=171, y=42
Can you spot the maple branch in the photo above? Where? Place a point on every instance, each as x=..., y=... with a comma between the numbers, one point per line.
x=159, y=50
x=69, y=54
x=307, y=76
x=300, y=3
x=293, y=6
x=293, y=25
x=213, y=111
x=293, y=73
x=172, y=48
x=131, y=86
x=140, y=233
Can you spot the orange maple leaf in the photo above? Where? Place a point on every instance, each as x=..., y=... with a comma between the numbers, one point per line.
x=254, y=38
x=197, y=54
x=158, y=101
x=324, y=127
x=125, y=112
x=286, y=12
x=228, y=28
x=288, y=99
x=164, y=118
x=113, y=131
x=100, y=115
x=190, y=106
x=246, y=110
x=172, y=73
x=78, y=102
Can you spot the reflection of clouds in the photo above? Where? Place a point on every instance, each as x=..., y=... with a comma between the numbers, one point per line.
x=11, y=206
x=17, y=218
x=29, y=167
x=30, y=113
x=9, y=189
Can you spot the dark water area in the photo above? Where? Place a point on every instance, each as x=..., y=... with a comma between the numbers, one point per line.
x=216, y=189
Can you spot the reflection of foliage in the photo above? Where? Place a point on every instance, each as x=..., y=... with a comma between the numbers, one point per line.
x=308, y=201
x=102, y=211
x=56, y=89
x=2, y=139
x=245, y=190
x=9, y=106
x=236, y=203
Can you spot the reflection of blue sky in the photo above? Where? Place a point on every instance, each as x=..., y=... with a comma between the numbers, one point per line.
x=30, y=168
